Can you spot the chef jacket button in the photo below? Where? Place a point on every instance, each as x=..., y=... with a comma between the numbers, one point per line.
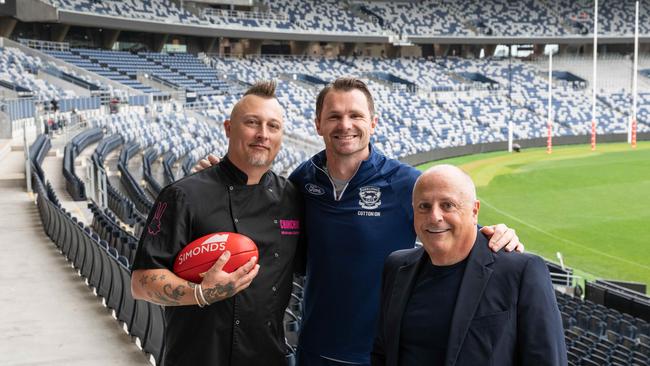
x=275, y=221
x=276, y=254
x=274, y=288
x=231, y=188
x=236, y=220
x=237, y=322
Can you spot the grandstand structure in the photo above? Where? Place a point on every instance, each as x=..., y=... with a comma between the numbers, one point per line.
x=112, y=100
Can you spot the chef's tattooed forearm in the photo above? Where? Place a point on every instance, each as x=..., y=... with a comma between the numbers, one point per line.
x=219, y=292
x=168, y=294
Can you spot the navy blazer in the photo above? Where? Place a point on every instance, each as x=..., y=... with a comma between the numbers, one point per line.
x=505, y=313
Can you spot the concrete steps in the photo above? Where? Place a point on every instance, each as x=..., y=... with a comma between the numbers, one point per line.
x=12, y=166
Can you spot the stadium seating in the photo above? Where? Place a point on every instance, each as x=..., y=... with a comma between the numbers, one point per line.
x=597, y=335
x=424, y=103
x=155, y=10
x=445, y=109
x=19, y=71
x=181, y=71
x=187, y=71
x=27, y=76
x=74, y=184
x=615, y=17
x=325, y=15
x=428, y=17
x=102, y=269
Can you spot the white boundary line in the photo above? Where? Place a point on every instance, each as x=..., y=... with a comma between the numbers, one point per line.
x=587, y=248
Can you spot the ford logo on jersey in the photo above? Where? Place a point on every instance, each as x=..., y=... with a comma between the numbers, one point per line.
x=314, y=189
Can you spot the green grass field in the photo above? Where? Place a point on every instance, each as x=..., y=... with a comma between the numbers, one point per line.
x=593, y=207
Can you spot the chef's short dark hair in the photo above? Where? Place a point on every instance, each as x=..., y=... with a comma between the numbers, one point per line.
x=263, y=88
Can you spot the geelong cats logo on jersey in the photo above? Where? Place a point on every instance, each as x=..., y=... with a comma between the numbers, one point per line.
x=370, y=197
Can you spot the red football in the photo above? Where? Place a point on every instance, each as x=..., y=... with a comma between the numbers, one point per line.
x=199, y=255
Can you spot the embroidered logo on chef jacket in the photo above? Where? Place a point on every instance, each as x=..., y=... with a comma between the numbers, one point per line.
x=290, y=227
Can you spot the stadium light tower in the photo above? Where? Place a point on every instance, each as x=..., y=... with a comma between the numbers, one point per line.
x=549, y=142
x=510, y=126
x=631, y=130
x=593, y=86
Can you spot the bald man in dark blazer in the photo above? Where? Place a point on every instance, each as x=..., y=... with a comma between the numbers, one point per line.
x=453, y=301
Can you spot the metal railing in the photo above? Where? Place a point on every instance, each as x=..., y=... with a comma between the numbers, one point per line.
x=565, y=279
x=45, y=45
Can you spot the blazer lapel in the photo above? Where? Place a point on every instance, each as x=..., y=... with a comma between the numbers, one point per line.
x=475, y=279
x=402, y=286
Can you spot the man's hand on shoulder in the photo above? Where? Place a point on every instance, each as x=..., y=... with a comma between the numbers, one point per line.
x=502, y=237
x=218, y=285
x=206, y=162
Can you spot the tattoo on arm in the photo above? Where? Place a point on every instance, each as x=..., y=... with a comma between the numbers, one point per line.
x=219, y=292
x=176, y=293
x=169, y=295
x=143, y=280
x=163, y=300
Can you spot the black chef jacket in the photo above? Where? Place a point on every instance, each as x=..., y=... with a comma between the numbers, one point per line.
x=247, y=328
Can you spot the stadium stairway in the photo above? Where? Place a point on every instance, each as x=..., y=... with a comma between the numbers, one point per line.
x=49, y=317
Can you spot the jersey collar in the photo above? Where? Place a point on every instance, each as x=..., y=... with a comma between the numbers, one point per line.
x=367, y=168
x=236, y=175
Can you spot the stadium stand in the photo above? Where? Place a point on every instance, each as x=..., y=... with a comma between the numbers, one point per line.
x=599, y=335
x=471, y=116
x=105, y=272
x=326, y=15
x=525, y=97
x=416, y=18
x=158, y=10
x=617, y=17
x=150, y=116
x=75, y=185
x=430, y=17
x=18, y=72
x=445, y=107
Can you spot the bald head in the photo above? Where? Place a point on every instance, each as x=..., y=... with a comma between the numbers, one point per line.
x=445, y=213
x=449, y=175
